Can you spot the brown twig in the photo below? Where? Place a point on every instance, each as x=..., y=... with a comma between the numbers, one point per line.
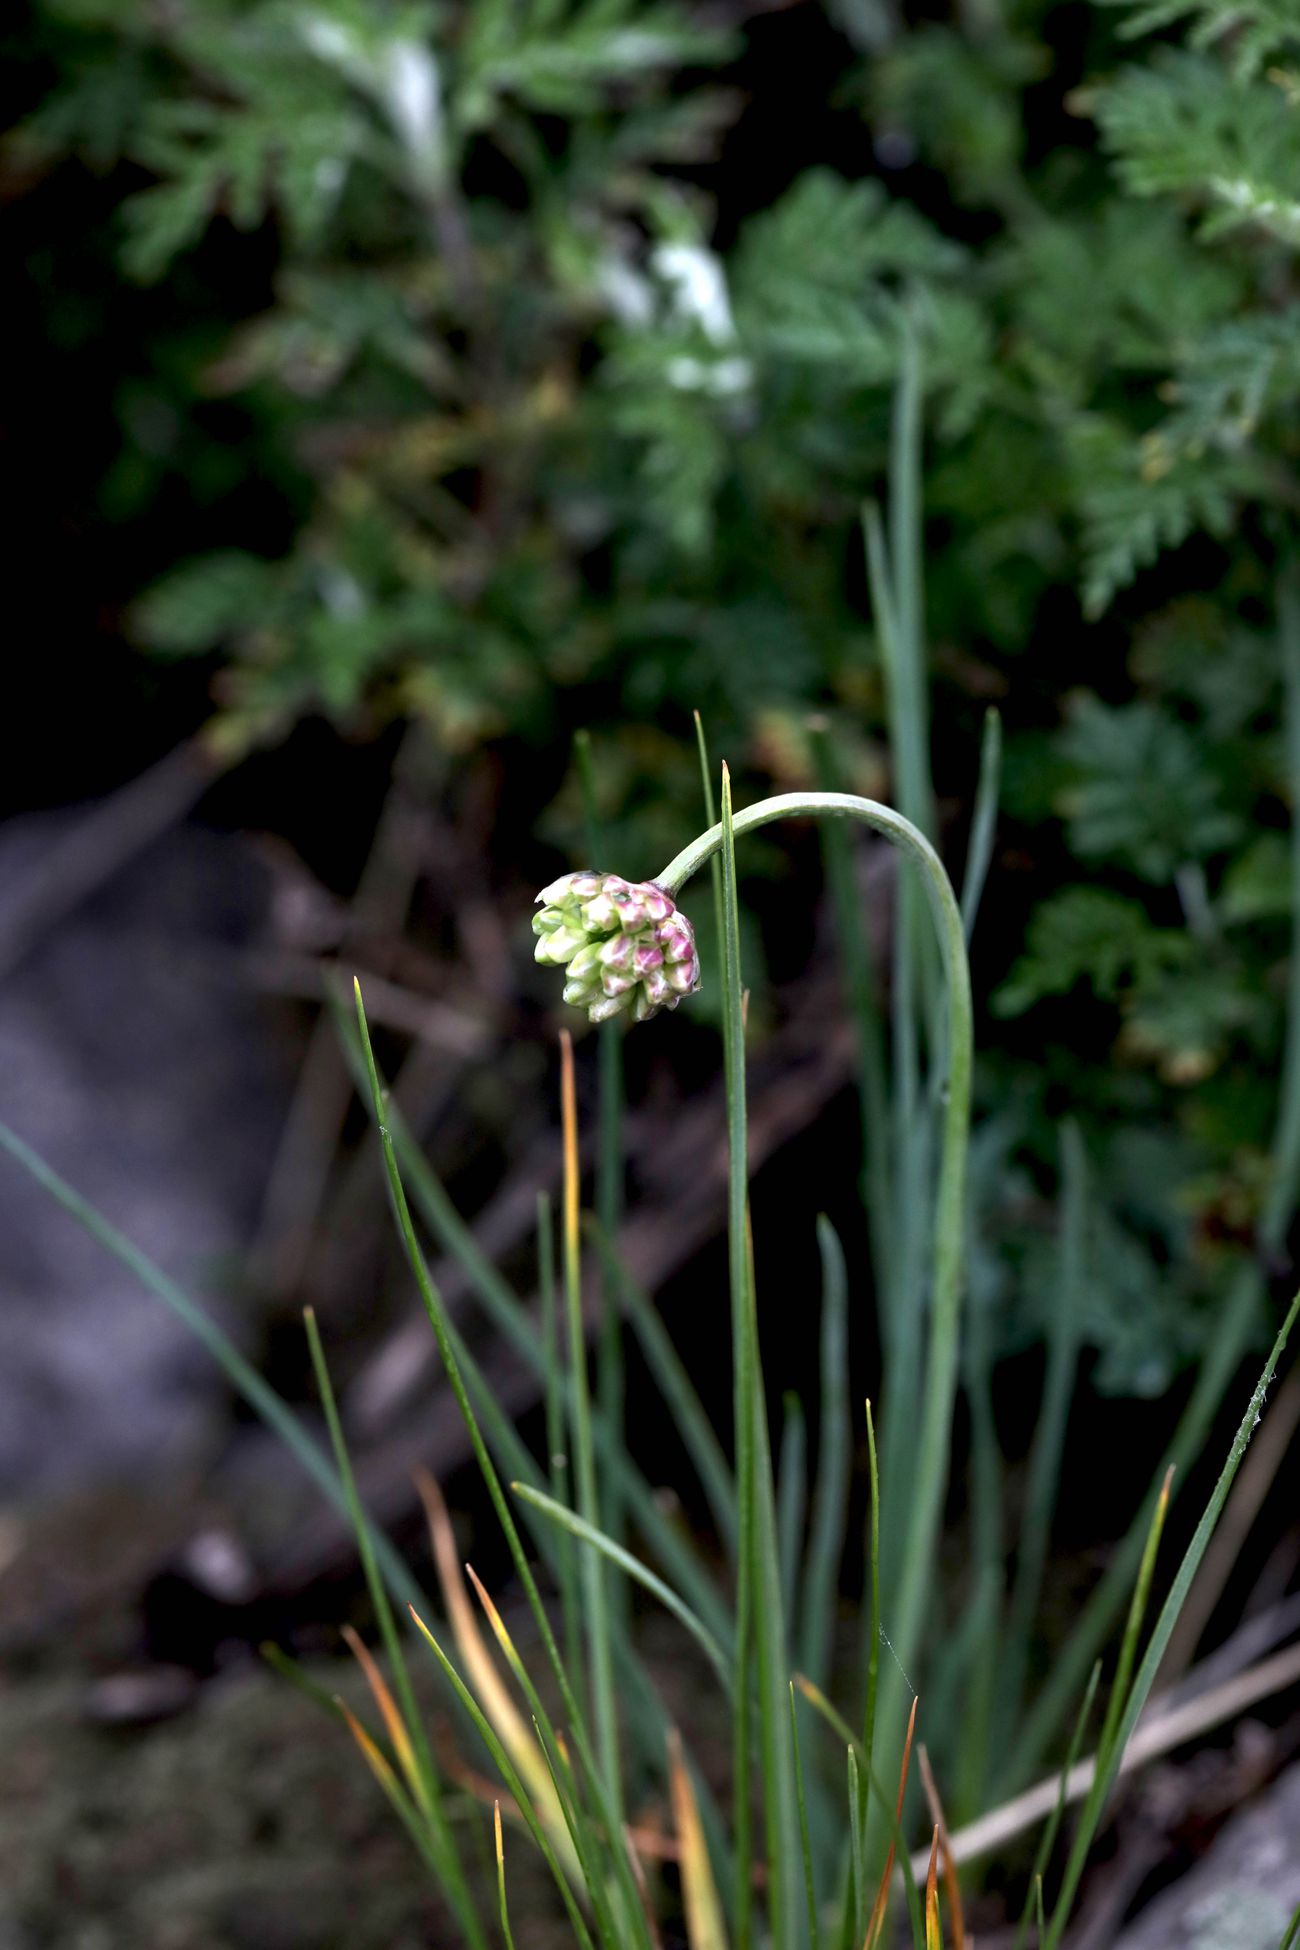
x=1160, y=1732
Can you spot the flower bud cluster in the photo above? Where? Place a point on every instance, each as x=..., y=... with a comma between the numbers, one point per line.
x=622, y=944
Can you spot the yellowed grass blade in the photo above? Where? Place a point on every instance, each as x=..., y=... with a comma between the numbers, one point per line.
x=705, y=1927
x=951, y=1886
x=394, y=1725
x=504, y=1907
x=875, y=1928
x=378, y=1766
x=933, y=1939
x=485, y=1681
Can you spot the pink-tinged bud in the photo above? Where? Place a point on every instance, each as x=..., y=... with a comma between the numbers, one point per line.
x=601, y=912
x=655, y=987
x=621, y=943
x=617, y=952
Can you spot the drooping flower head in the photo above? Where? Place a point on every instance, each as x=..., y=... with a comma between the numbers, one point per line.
x=622, y=944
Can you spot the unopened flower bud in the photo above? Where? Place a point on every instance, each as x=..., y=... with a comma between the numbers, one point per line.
x=622, y=944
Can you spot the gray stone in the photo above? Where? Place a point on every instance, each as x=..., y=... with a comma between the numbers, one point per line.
x=1243, y=1895
x=151, y=1082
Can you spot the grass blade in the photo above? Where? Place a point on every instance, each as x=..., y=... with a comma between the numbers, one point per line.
x=933, y=1936
x=609, y=1161
x=243, y=1377
x=1047, y=1841
x=984, y=819
x=690, y=1419
x=557, y=1457
x=633, y=1568
x=405, y=1730
x=511, y=1779
x=287, y=1668
x=595, y=1597
x=489, y=1688
x=892, y=1821
x=1108, y=1768
x=1072, y=1662
x=759, y=1566
x=501, y=1877
x=951, y=1885
x=710, y=815
x=391, y=1788
x=747, y=1607
x=855, y=1897
x=864, y=1008
x=437, y=1318
x=1133, y=1627
x=705, y=1928
x=972, y=1652
x=873, y=1605
x=830, y=1504
x=876, y=1926
x=1284, y=1187
x=673, y=1547
x=911, y=736
x=805, y=1839
x=1049, y=1437
x=792, y=1498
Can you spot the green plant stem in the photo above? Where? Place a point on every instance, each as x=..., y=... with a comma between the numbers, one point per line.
x=830, y=1499
x=926, y=1507
x=864, y=1005
x=594, y=1583
x=610, y=1378
x=759, y=1608
x=905, y=1271
x=557, y=1460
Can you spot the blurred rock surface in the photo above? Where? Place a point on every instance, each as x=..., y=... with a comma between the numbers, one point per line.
x=1243, y=1895
x=157, y=1091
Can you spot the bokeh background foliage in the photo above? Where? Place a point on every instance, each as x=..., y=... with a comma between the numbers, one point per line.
x=522, y=365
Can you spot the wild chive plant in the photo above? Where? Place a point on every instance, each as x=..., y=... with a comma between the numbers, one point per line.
x=567, y=1739
x=815, y=1843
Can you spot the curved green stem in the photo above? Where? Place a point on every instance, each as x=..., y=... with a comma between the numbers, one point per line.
x=924, y=1515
